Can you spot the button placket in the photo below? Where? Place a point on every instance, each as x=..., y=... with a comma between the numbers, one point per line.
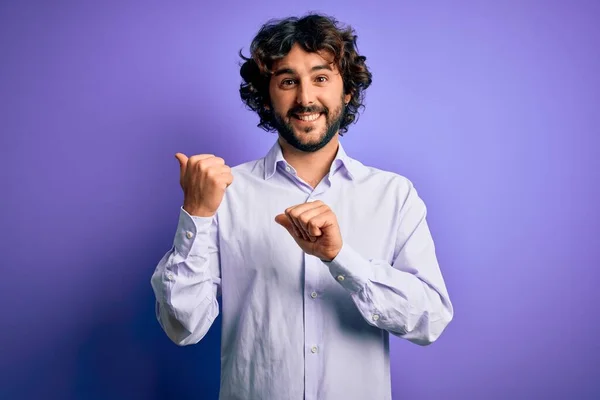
x=313, y=326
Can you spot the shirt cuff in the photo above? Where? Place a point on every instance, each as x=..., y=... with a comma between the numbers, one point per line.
x=350, y=269
x=192, y=235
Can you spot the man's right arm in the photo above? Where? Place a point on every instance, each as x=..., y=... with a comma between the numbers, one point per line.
x=187, y=280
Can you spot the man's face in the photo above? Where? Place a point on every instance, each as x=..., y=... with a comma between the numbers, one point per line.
x=307, y=99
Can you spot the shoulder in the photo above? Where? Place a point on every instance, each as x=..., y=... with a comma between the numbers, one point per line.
x=253, y=167
x=388, y=186
x=378, y=176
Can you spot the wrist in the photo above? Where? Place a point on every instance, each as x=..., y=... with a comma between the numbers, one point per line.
x=197, y=211
x=330, y=257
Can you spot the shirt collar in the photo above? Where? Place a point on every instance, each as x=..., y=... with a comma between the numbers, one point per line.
x=353, y=168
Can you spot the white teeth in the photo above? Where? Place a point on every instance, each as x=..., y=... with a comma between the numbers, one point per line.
x=310, y=117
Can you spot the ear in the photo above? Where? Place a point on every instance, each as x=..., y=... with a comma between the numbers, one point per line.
x=347, y=98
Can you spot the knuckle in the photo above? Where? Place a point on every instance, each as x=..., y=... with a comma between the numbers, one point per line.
x=210, y=173
x=199, y=157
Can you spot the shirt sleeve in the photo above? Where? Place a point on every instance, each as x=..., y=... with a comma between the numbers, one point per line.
x=186, y=281
x=407, y=298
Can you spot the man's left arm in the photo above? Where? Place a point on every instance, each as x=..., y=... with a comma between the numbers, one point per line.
x=407, y=298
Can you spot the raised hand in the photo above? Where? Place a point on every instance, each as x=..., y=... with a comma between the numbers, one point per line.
x=203, y=178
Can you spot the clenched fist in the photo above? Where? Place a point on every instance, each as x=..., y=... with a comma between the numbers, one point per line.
x=203, y=178
x=314, y=226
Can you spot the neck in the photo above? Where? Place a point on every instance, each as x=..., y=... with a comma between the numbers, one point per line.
x=311, y=167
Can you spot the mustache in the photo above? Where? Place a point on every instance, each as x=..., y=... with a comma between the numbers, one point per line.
x=308, y=110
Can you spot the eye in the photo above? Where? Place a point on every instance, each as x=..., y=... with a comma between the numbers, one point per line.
x=321, y=79
x=287, y=82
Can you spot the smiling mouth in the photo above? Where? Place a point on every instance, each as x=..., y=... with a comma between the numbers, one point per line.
x=307, y=117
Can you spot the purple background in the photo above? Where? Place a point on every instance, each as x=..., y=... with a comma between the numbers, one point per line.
x=492, y=110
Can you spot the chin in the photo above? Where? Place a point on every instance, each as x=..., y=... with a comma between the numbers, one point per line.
x=309, y=137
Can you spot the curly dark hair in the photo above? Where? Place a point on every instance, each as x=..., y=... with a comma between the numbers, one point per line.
x=313, y=33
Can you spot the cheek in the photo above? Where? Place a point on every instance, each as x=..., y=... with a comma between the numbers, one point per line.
x=334, y=96
x=334, y=103
x=281, y=104
x=279, y=109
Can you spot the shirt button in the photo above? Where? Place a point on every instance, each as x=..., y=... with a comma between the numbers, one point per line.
x=314, y=349
x=287, y=168
x=189, y=234
x=313, y=295
x=170, y=276
x=375, y=317
x=340, y=278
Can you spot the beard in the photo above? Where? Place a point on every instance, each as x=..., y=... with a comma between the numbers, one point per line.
x=333, y=120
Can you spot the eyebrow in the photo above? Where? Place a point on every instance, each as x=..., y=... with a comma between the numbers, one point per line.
x=290, y=71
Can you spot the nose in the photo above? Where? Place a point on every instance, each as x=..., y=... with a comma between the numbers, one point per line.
x=305, y=94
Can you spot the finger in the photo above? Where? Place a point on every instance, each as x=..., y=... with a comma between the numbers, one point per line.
x=282, y=220
x=220, y=174
x=199, y=157
x=216, y=171
x=193, y=160
x=296, y=211
x=182, y=159
x=225, y=178
x=207, y=160
x=286, y=222
x=221, y=169
x=199, y=161
x=297, y=226
x=297, y=233
x=307, y=216
x=321, y=222
x=300, y=208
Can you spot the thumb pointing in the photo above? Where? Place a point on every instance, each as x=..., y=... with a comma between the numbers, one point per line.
x=182, y=158
x=283, y=220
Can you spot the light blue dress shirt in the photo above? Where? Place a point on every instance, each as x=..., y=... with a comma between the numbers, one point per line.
x=295, y=327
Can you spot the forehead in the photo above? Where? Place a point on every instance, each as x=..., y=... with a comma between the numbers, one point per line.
x=299, y=59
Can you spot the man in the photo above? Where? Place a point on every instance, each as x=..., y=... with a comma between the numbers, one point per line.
x=317, y=257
